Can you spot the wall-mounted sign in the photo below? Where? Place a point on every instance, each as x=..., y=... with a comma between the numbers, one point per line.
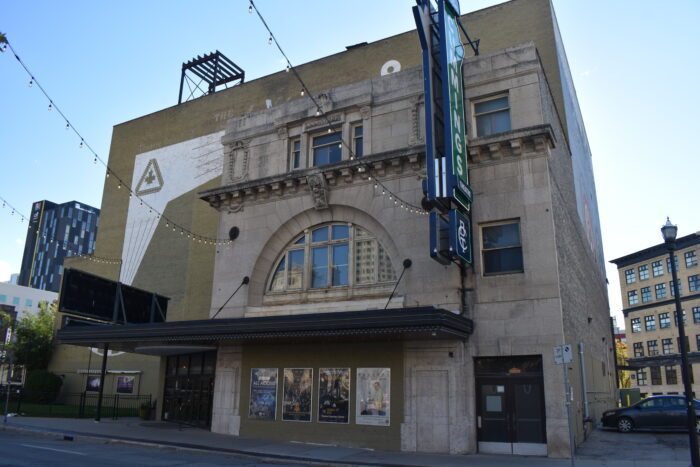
x=296, y=401
x=460, y=236
x=263, y=394
x=334, y=395
x=450, y=238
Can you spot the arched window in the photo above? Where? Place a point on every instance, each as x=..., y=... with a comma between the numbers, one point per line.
x=331, y=255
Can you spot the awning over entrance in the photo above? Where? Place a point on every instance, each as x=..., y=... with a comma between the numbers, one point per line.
x=394, y=324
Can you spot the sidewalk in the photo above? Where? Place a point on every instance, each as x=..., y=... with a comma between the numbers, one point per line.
x=172, y=436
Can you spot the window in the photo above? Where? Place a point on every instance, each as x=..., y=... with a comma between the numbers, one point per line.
x=638, y=349
x=660, y=290
x=643, y=272
x=641, y=378
x=636, y=325
x=697, y=342
x=653, y=347
x=15, y=300
x=632, y=297
x=690, y=259
x=295, y=153
x=630, y=276
x=650, y=323
x=675, y=318
x=657, y=268
x=668, y=263
x=327, y=149
x=646, y=294
x=492, y=116
x=655, y=373
x=3, y=298
x=324, y=257
x=671, y=376
x=687, y=344
x=673, y=290
x=667, y=346
x=693, y=283
x=501, y=248
x=28, y=302
x=357, y=147
x=664, y=321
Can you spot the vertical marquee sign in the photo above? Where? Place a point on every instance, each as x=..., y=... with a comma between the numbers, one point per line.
x=447, y=185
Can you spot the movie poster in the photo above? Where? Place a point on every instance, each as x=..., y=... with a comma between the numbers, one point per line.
x=373, y=396
x=125, y=384
x=334, y=395
x=296, y=402
x=93, y=383
x=263, y=393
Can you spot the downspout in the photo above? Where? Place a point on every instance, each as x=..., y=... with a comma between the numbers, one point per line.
x=584, y=390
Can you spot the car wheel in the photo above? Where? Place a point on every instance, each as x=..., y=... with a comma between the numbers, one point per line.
x=624, y=425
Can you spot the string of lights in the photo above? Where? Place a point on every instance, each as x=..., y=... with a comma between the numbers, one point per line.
x=371, y=175
x=63, y=245
x=169, y=223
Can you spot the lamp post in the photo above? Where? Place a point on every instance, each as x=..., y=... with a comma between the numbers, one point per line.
x=669, y=232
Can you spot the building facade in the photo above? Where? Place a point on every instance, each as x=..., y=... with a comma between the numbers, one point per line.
x=56, y=231
x=24, y=299
x=319, y=314
x=650, y=317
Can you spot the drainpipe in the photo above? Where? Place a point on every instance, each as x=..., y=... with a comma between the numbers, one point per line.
x=582, y=367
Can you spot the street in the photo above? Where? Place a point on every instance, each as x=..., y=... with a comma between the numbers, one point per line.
x=31, y=450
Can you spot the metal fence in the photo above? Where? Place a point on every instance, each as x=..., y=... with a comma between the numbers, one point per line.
x=74, y=405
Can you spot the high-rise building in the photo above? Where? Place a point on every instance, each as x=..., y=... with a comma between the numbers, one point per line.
x=651, y=323
x=56, y=231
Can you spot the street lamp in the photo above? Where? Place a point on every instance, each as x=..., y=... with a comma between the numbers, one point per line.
x=669, y=232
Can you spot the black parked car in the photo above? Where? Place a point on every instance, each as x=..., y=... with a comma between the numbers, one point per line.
x=655, y=412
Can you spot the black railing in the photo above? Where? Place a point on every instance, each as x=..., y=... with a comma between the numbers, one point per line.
x=74, y=405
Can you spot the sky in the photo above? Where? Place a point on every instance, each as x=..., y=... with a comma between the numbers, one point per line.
x=634, y=64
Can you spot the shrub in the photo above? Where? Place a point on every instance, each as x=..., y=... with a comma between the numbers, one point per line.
x=42, y=386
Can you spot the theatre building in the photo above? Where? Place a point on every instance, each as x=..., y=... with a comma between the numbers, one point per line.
x=319, y=314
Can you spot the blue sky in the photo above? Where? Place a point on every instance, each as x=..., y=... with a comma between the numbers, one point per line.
x=634, y=64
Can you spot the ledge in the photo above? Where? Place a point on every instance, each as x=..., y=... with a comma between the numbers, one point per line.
x=514, y=143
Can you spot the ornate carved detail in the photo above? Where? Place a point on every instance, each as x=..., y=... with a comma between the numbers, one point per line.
x=318, y=190
x=236, y=161
x=282, y=132
x=366, y=112
x=325, y=101
x=415, y=137
x=322, y=122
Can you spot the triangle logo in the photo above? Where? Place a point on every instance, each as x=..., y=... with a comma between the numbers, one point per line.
x=151, y=181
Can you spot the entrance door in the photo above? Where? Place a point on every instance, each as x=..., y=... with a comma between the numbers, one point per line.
x=510, y=414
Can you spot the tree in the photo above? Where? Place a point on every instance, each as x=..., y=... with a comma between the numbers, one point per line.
x=621, y=356
x=33, y=341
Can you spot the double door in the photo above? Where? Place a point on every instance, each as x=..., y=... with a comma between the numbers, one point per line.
x=511, y=416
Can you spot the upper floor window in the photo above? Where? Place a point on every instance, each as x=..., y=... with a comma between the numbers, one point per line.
x=657, y=268
x=690, y=259
x=660, y=290
x=492, y=116
x=295, y=153
x=632, y=297
x=643, y=272
x=696, y=314
x=667, y=345
x=630, y=277
x=653, y=347
x=693, y=283
x=664, y=320
x=646, y=294
x=636, y=325
x=3, y=298
x=673, y=289
x=650, y=322
x=675, y=263
x=357, y=147
x=638, y=349
x=327, y=148
x=501, y=248
x=333, y=255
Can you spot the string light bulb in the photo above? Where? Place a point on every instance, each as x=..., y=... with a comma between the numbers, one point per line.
x=302, y=91
x=287, y=70
x=67, y=125
x=250, y=9
x=50, y=106
x=31, y=82
x=269, y=41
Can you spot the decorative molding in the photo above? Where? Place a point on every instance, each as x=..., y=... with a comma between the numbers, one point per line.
x=324, y=100
x=323, y=122
x=318, y=189
x=237, y=156
x=531, y=141
x=366, y=112
x=415, y=137
x=282, y=132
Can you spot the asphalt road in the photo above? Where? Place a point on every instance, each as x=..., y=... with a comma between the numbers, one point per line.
x=19, y=449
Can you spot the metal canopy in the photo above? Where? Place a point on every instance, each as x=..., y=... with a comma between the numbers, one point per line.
x=214, y=68
x=396, y=324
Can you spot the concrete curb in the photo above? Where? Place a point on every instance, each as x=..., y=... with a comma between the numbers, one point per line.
x=242, y=454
